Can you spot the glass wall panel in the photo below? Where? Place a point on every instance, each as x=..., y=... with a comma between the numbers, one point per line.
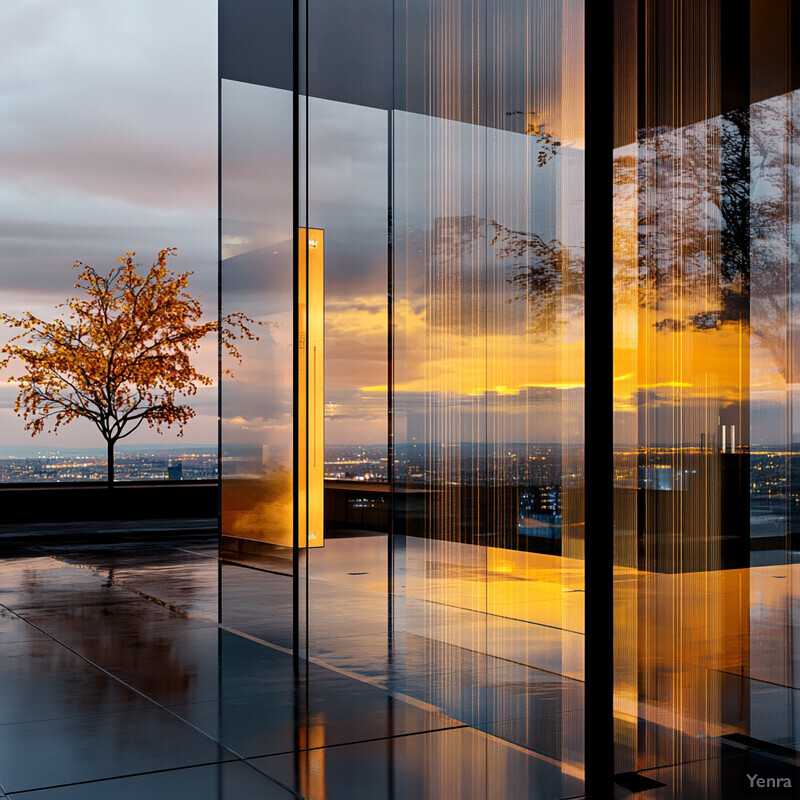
x=441, y=167
x=773, y=669
x=682, y=399
x=772, y=688
x=257, y=427
x=347, y=196
x=488, y=370
x=704, y=272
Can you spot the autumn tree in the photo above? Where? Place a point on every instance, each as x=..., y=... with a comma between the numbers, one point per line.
x=120, y=357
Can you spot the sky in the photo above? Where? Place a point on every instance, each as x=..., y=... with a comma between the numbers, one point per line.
x=108, y=144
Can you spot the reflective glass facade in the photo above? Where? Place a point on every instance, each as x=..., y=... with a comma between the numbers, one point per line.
x=546, y=373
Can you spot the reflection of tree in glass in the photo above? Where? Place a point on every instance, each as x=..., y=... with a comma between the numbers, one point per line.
x=734, y=201
x=547, y=143
x=121, y=358
x=546, y=273
x=774, y=248
x=693, y=193
x=714, y=223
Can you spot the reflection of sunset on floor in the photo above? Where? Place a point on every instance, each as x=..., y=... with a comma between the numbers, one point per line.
x=697, y=638
x=774, y=622
x=712, y=658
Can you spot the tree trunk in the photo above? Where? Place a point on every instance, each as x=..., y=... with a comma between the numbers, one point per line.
x=110, y=463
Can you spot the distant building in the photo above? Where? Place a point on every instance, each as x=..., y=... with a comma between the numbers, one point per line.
x=175, y=470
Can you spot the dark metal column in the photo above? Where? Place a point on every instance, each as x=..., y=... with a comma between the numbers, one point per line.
x=599, y=453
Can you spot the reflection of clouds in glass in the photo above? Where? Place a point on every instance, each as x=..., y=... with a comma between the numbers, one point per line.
x=356, y=338
x=348, y=198
x=348, y=194
x=257, y=279
x=532, y=414
x=356, y=394
x=518, y=362
x=525, y=201
x=347, y=178
x=252, y=401
x=257, y=157
x=259, y=423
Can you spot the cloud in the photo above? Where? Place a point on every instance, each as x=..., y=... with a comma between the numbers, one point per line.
x=108, y=134
x=114, y=100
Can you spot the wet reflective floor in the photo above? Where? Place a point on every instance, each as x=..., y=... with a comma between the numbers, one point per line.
x=118, y=682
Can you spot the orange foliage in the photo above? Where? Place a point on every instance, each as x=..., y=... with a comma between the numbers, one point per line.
x=123, y=355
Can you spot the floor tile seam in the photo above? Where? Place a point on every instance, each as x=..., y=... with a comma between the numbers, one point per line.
x=114, y=581
x=743, y=751
x=119, y=601
x=439, y=675
x=444, y=678
x=196, y=553
x=527, y=751
x=76, y=716
x=222, y=746
x=501, y=722
x=505, y=661
x=121, y=777
x=91, y=663
x=443, y=604
x=354, y=742
x=402, y=696
x=361, y=679
x=95, y=666
x=225, y=563
x=789, y=686
x=242, y=697
x=26, y=621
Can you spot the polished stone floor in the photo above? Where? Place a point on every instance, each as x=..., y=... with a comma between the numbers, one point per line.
x=118, y=682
